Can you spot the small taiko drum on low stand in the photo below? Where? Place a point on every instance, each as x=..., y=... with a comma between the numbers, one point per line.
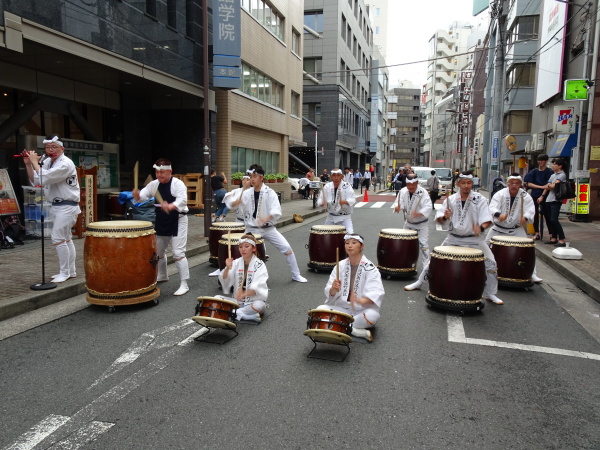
x=116, y=211
x=456, y=279
x=233, y=240
x=515, y=258
x=216, y=312
x=397, y=252
x=120, y=263
x=330, y=327
x=217, y=230
x=323, y=241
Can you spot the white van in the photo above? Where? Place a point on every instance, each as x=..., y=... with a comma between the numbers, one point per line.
x=423, y=173
x=445, y=176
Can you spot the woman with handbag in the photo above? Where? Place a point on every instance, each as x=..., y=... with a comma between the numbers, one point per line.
x=557, y=235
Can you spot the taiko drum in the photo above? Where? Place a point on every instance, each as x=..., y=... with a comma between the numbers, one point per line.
x=216, y=232
x=322, y=245
x=398, y=252
x=515, y=258
x=233, y=240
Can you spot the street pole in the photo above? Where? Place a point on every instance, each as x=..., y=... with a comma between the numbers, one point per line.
x=316, y=154
x=206, y=148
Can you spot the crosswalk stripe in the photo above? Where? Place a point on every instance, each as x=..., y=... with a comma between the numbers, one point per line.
x=378, y=204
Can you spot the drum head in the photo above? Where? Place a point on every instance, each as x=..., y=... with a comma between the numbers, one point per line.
x=400, y=232
x=332, y=311
x=212, y=322
x=231, y=238
x=328, y=336
x=451, y=250
x=222, y=300
x=511, y=240
x=329, y=229
x=119, y=224
x=228, y=226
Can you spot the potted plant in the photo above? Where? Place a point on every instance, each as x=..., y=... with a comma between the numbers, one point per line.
x=237, y=178
x=281, y=177
x=270, y=178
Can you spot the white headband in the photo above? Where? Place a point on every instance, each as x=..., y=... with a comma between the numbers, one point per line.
x=161, y=167
x=247, y=241
x=354, y=236
x=250, y=171
x=470, y=177
x=414, y=180
x=515, y=177
x=246, y=176
x=54, y=139
x=336, y=171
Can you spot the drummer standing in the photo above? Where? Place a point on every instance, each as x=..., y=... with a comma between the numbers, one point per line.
x=261, y=210
x=359, y=290
x=233, y=197
x=338, y=198
x=171, y=220
x=512, y=208
x=467, y=215
x=415, y=203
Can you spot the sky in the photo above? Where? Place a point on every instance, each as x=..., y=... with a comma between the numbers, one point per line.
x=419, y=20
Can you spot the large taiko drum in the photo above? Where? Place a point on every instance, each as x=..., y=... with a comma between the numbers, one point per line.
x=217, y=230
x=456, y=278
x=329, y=326
x=116, y=211
x=398, y=252
x=515, y=258
x=120, y=262
x=322, y=243
x=233, y=240
x=215, y=312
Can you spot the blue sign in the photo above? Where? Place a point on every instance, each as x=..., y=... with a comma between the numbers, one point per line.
x=227, y=44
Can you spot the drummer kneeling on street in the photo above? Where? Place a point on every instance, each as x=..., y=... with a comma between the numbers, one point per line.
x=248, y=277
x=358, y=291
x=467, y=215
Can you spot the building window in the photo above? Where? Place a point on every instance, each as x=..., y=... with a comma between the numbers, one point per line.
x=151, y=7
x=260, y=86
x=525, y=28
x=517, y=122
x=521, y=75
x=343, y=27
x=314, y=66
x=314, y=20
x=295, y=109
x=266, y=15
x=296, y=42
x=242, y=158
x=172, y=13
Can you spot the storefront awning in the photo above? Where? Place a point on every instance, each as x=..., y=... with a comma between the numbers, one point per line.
x=563, y=147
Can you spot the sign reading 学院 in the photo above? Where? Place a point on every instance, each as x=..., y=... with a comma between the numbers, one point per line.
x=227, y=46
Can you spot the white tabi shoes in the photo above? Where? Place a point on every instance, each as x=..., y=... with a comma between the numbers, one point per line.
x=411, y=287
x=299, y=279
x=536, y=279
x=183, y=288
x=249, y=317
x=362, y=333
x=495, y=300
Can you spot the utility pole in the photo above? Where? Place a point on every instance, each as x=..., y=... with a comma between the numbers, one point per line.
x=498, y=104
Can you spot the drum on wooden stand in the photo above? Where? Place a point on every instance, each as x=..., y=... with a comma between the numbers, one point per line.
x=214, y=312
x=217, y=230
x=398, y=252
x=515, y=258
x=233, y=240
x=120, y=263
x=329, y=326
x=456, y=278
x=116, y=211
x=323, y=241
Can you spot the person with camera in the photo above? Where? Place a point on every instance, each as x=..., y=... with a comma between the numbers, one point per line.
x=557, y=235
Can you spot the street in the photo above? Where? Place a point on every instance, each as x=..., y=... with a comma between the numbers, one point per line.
x=521, y=375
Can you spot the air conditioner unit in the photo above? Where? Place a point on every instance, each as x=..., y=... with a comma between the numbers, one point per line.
x=528, y=148
x=538, y=141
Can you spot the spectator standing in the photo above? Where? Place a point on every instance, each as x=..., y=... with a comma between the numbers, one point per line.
x=557, y=235
x=216, y=183
x=536, y=180
x=325, y=176
x=433, y=187
x=367, y=180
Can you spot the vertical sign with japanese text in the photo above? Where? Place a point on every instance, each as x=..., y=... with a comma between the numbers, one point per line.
x=227, y=45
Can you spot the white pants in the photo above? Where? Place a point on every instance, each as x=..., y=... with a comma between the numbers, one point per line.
x=247, y=308
x=276, y=238
x=366, y=318
x=423, y=230
x=340, y=220
x=64, y=218
x=178, y=246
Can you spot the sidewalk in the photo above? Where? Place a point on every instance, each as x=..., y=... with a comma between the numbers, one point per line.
x=21, y=267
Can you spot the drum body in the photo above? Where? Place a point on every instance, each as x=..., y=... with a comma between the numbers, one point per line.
x=322, y=243
x=215, y=312
x=515, y=258
x=233, y=240
x=116, y=211
x=456, y=278
x=329, y=325
x=398, y=252
x=217, y=230
x=120, y=262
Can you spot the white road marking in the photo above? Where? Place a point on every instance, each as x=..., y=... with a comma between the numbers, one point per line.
x=360, y=204
x=83, y=436
x=378, y=204
x=456, y=333
x=38, y=432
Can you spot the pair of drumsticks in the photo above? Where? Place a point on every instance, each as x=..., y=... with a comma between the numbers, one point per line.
x=136, y=168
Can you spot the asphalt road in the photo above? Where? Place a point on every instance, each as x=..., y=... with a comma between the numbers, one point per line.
x=521, y=375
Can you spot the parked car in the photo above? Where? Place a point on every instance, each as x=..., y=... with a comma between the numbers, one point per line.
x=295, y=183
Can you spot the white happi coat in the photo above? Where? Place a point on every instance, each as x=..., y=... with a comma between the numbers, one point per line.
x=333, y=197
x=60, y=177
x=232, y=197
x=475, y=211
x=522, y=205
x=367, y=283
x=256, y=279
x=178, y=190
x=419, y=202
x=268, y=205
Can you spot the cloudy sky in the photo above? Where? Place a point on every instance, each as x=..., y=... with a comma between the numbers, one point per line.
x=410, y=26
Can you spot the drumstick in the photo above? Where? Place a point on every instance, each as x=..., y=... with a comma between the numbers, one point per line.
x=135, y=175
x=158, y=197
x=229, y=243
x=522, y=202
x=337, y=263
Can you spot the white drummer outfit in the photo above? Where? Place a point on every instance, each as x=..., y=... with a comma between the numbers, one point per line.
x=232, y=197
x=262, y=204
x=419, y=202
x=475, y=211
x=253, y=277
x=366, y=282
x=60, y=177
x=172, y=227
x=503, y=203
x=338, y=214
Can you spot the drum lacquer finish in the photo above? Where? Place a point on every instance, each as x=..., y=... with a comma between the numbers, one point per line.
x=115, y=209
x=215, y=313
x=216, y=232
x=120, y=262
x=456, y=278
x=515, y=258
x=233, y=240
x=322, y=244
x=329, y=326
x=398, y=252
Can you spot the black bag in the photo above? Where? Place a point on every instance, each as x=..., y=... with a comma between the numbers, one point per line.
x=565, y=190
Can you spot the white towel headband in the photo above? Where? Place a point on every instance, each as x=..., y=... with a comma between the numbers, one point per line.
x=54, y=139
x=161, y=167
x=354, y=236
x=514, y=177
x=470, y=177
x=336, y=171
x=247, y=241
x=414, y=180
